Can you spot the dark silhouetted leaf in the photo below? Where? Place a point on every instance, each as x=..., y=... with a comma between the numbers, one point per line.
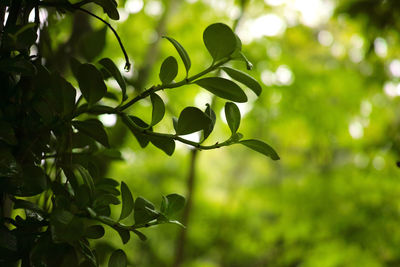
x=172, y=204
x=144, y=211
x=93, y=128
x=192, y=120
x=127, y=201
x=164, y=143
x=110, y=7
x=109, y=65
x=211, y=114
x=133, y=122
x=91, y=83
x=140, y=235
x=94, y=232
x=169, y=70
x=118, y=259
x=125, y=235
x=223, y=88
x=158, y=109
x=93, y=43
x=182, y=53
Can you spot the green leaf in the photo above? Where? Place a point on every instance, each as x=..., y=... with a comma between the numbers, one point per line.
x=140, y=235
x=105, y=199
x=223, y=88
x=109, y=65
x=94, y=232
x=245, y=79
x=86, y=177
x=118, y=259
x=125, y=235
x=219, y=40
x=133, y=123
x=164, y=143
x=238, y=48
x=110, y=7
x=260, y=147
x=172, y=204
x=92, y=43
x=127, y=201
x=182, y=53
x=158, y=109
x=93, y=128
x=169, y=70
x=192, y=120
x=91, y=83
x=62, y=95
x=65, y=227
x=232, y=114
x=74, y=65
x=144, y=211
x=211, y=114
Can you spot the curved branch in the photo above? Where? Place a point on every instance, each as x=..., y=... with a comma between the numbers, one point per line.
x=77, y=6
x=127, y=63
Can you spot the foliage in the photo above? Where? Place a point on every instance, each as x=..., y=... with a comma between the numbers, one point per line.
x=52, y=143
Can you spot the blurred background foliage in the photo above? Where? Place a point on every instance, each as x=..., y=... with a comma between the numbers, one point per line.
x=330, y=72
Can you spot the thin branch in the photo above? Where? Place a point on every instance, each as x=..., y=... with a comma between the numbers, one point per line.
x=176, y=137
x=153, y=89
x=77, y=6
x=127, y=63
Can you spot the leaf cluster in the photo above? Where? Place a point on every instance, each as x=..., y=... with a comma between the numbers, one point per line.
x=52, y=143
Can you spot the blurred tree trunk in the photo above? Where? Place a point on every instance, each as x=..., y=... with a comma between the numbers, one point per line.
x=191, y=179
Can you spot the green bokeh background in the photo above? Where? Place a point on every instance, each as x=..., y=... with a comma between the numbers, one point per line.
x=332, y=199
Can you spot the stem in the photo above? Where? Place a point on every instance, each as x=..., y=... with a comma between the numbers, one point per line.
x=176, y=137
x=172, y=85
